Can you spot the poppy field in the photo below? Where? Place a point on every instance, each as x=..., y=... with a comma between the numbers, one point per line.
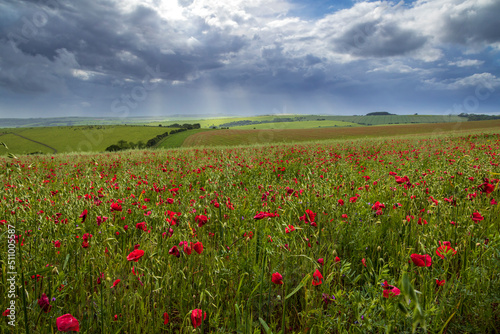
x=361, y=236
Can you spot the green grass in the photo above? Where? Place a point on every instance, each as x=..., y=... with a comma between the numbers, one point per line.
x=76, y=138
x=18, y=145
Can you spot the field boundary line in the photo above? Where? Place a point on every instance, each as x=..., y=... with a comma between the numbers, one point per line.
x=53, y=149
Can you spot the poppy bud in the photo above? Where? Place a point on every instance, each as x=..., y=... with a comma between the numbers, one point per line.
x=379, y=249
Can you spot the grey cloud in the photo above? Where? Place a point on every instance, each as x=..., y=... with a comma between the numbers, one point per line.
x=117, y=45
x=378, y=39
x=473, y=24
x=92, y=51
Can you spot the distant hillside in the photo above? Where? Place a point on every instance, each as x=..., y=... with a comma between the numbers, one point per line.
x=379, y=113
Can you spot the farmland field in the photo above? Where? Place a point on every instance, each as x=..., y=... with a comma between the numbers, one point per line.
x=278, y=118
x=74, y=139
x=296, y=125
x=280, y=135
x=359, y=236
x=177, y=140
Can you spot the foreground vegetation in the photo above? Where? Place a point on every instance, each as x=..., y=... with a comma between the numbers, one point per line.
x=394, y=235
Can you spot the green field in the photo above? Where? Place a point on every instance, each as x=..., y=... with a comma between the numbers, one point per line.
x=96, y=138
x=76, y=138
x=398, y=119
x=216, y=122
x=361, y=120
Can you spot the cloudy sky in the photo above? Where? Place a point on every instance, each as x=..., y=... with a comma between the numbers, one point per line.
x=164, y=57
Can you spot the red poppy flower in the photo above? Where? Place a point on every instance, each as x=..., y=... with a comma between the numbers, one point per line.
x=444, y=248
x=115, y=283
x=101, y=219
x=337, y=259
x=6, y=313
x=57, y=244
x=187, y=248
x=135, y=255
x=262, y=215
x=340, y=202
x=198, y=247
x=487, y=187
x=277, y=278
x=317, y=278
x=363, y=261
x=141, y=226
x=116, y=207
x=321, y=261
x=421, y=221
x=67, y=323
x=377, y=206
x=289, y=229
x=196, y=317
x=174, y=251
x=83, y=215
x=476, y=217
x=44, y=303
x=421, y=260
x=201, y=220
x=165, y=318
x=435, y=201
x=440, y=283
x=308, y=217
x=390, y=290
x=400, y=180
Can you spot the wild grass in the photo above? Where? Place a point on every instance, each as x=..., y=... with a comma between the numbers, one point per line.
x=44, y=197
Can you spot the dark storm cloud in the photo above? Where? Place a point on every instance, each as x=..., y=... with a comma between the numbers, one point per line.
x=92, y=52
x=378, y=39
x=473, y=24
x=105, y=40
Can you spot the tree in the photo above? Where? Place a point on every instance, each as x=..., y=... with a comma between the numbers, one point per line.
x=123, y=144
x=113, y=148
